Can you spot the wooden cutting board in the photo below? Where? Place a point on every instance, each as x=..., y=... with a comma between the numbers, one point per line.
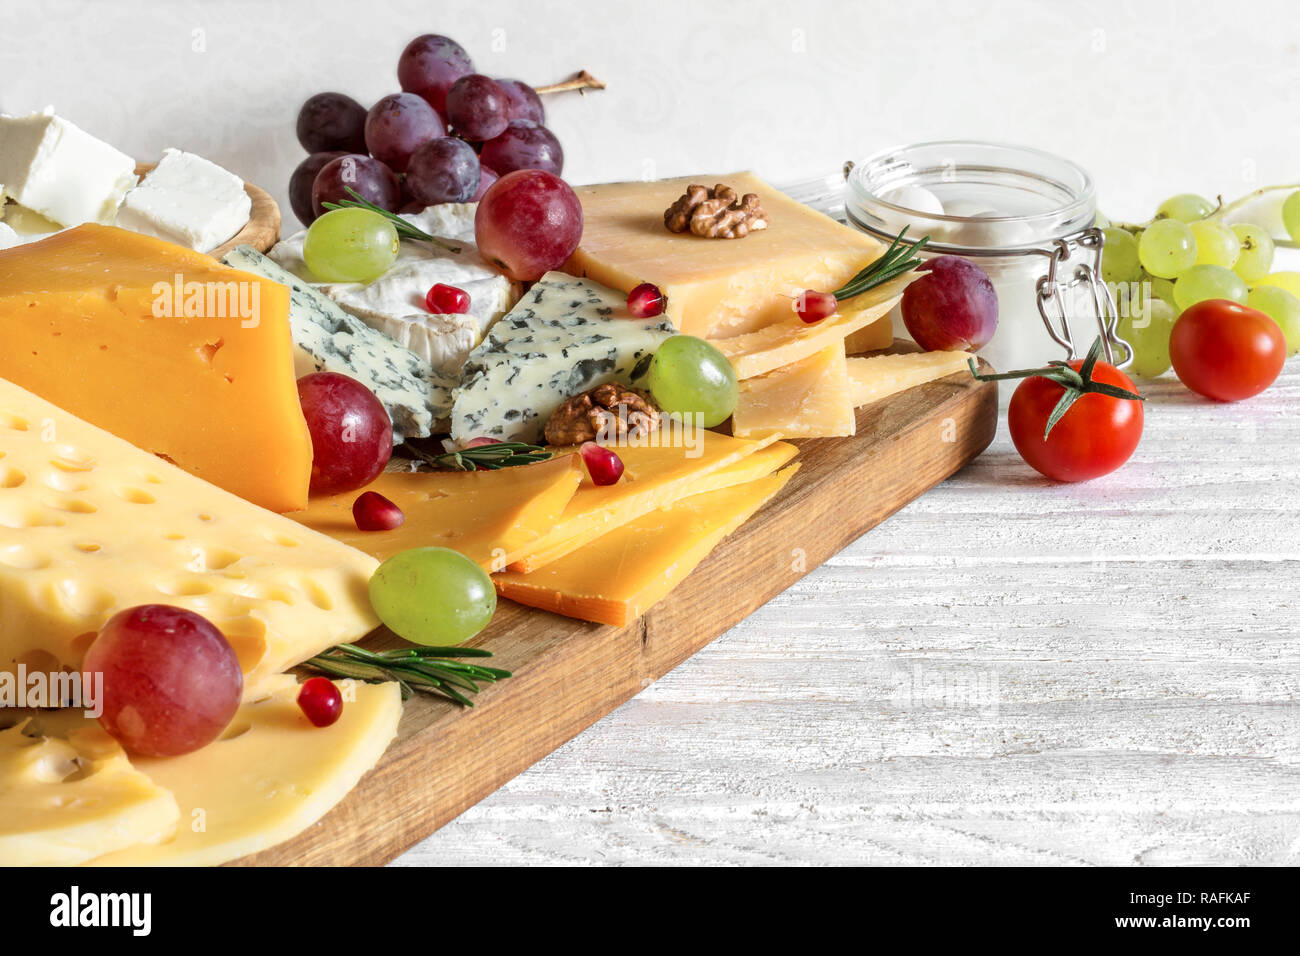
x=569, y=674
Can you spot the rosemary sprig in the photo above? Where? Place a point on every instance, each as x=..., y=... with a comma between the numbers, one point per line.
x=428, y=669
x=504, y=454
x=899, y=259
x=405, y=228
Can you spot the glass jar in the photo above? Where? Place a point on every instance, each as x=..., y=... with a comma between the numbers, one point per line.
x=1024, y=216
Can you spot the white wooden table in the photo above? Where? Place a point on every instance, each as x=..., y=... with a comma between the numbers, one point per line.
x=1005, y=672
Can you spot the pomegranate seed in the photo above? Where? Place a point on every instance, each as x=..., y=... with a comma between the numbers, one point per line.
x=446, y=300
x=320, y=701
x=603, y=465
x=373, y=512
x=646, y=301
x=815, y=306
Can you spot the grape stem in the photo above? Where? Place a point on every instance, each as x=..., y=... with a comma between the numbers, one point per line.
x=580, y=81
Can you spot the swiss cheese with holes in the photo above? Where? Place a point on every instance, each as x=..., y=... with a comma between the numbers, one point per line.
x=90, y=524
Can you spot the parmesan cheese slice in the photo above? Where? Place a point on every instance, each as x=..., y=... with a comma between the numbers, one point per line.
x=879, y=376
x=806, y=399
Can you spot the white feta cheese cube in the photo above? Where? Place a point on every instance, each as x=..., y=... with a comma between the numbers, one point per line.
x=60, y=171
x=187, y=200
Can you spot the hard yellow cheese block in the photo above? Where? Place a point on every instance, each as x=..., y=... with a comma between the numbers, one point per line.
x=792, y=339
x=90, y=524
x=270, y=776
x=165, y=347
x=621, y=575
x=806, y=399
x=878, y=335
x=715, y=287
x=878, y=376
x=491, y=517
x=66, y=801
x=654, y=478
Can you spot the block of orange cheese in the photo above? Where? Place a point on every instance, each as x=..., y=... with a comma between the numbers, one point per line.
x=164, y=347
x=715, y=287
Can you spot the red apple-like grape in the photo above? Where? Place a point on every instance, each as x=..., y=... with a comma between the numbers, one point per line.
x=398, y=125
x=351, y=433
x=523, y=145
x=332, y=122
x=443, y=170
x=528, y=223
x=303, y=181
x=370, y=178
x=429, y=65
x=486, y=177
x=953, y=306
x=522, y=101
x=171, y=681
x=477, y=107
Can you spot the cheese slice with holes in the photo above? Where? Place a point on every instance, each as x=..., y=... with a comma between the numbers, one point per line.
x=90, y=524
x=715, y=287
x=654, y=478
x=878, y=376
x=491, y=517
x=792, y=339
x=164, y=347
x=806, y=399
x=66, y=800
x=621, y=575
x=271, y=775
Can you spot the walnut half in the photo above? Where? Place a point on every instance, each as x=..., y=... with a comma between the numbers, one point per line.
x=716, y=213
x=610, y=412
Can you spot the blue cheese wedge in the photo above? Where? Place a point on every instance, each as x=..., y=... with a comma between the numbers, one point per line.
x=328, y=339
x=565, y=336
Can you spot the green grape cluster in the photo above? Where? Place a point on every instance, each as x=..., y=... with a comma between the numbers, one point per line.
x=1187, y=254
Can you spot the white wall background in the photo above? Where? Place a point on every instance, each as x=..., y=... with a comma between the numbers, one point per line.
x=1153, y=96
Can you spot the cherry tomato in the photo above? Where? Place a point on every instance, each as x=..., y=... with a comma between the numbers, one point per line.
x=1097, y=435
x=1226, y=351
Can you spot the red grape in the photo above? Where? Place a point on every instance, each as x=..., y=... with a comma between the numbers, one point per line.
x=486, y=177
x=371, y=179
x=528, y=223
x=524, y=145
x=172, y=681
x=301, y=183
x=332, y=122
x=429, y=65
x=320, y=701
x=443, y=170
x=953, y=306
x=351, y=433
x=476, y=107
x=373, y=512
x=398, y=125
x=522, y=101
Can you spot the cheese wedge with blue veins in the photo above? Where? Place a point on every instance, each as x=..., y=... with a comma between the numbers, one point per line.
x=565, y=336
x=328, y=339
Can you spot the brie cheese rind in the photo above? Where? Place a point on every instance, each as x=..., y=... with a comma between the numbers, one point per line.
x=394, y=303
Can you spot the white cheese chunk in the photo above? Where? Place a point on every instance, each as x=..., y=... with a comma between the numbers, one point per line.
x=60, y=171
x=565, y=336
x=187, y=200
x=8, y=237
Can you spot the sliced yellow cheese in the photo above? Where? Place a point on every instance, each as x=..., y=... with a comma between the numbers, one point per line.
x=807, y=399
x=621, y=575
x=878, y=335
x=792, y=339
x=491, y=517
x=715, y=287
x=270, y=776
x=66, y=801
x=90, y=524
x=597, y=510
x=877, y=376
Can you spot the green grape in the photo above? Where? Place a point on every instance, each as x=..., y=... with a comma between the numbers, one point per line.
x=433, y=596
x=1164, y=289
x=1208, y=282
x=688, y=375
x=1167, y=248
x=1282, y=280
x=1185, y=207
x=1291, y=215
x=1101, y=221
x=1148, y=332
x=1283, y=308
x=1119, y=257
x=1216, y=244
x=1256, y=251
x=350, y=245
